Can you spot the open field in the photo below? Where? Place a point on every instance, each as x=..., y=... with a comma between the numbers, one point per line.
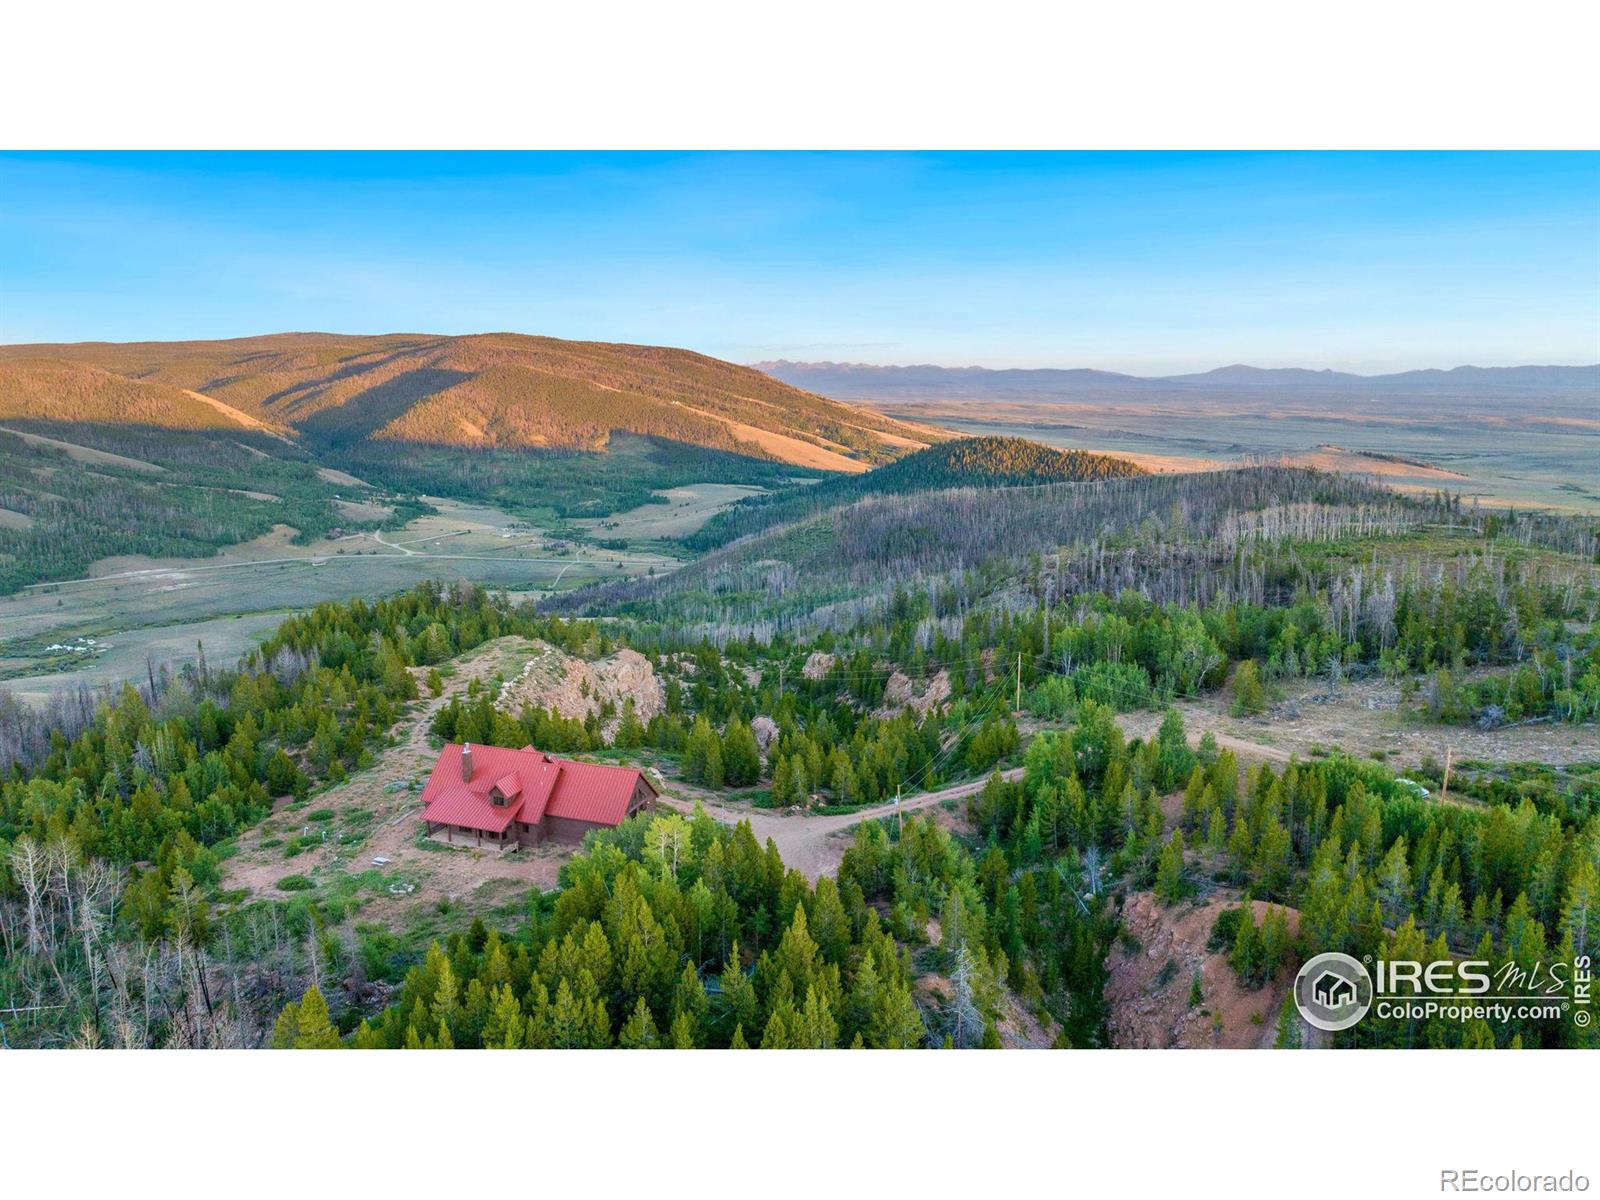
x=122, y=656
x=687, y=509
x=1365, y=720
x=1543, y=459
x=161, y=607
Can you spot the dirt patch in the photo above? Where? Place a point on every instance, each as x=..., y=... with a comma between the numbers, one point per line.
x=783, y=447
x=1170, y=464
x=329, y=475
x=227, y=410
x=14, y=520
x=1366, y=720
x=576, y=688
x=1150, y=983
x=1358, y=462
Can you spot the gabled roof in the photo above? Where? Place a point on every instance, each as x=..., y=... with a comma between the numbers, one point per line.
x=535, y=784
x=596, y=792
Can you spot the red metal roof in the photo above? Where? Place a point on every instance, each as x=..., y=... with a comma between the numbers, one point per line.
x=593, y=792
x=557, y=787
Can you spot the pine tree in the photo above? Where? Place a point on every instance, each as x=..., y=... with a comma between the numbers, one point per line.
x=313, y=1029
x=639, y=1031
x=1169, y=872
x=897, y=1022
x=713, y=771
x=741, y=757
x=683, y=1032
x=1243, y=957
x=504, y=1028
x=1249, y=696
x=1289, y=1035
x=630, y=733
x=1216, y=830
x=784, y=792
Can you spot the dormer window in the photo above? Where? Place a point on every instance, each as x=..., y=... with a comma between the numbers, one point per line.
x=505, y=790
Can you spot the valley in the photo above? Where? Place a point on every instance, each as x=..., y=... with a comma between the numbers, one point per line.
x=1504, y=438
x=1080, y=739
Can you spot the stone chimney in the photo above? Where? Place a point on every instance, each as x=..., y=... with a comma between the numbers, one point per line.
x=466, y=763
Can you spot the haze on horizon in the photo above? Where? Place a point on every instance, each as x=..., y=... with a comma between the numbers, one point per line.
x=1143, y=263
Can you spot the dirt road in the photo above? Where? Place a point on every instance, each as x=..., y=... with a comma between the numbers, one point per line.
x=814, y=845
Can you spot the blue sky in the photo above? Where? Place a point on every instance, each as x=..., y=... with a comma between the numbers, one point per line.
x=1136, y=262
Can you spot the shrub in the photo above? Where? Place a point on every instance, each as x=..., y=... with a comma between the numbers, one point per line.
x=1249, y=696
x=1122, y=686
x=1225, y=928
x=295, y=883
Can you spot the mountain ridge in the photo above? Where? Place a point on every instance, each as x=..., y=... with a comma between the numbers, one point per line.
x=868, y=381
x=493, y=390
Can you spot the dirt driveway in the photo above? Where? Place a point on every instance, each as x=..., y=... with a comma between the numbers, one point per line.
x=815, y=844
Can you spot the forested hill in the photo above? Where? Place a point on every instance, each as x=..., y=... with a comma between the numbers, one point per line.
x=490, y=390
x=994, y=462
x=45, y=389
x=1181, y=538
x=966, y=462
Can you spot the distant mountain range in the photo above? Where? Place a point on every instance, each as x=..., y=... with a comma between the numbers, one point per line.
x=858, y=381
x=488, y=390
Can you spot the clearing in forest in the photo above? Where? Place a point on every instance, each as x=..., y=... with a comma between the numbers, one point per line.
x=333, y=837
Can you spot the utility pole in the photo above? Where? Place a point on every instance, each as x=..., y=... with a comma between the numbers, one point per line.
x=1019, y=683
x=1444, y=790
x=897, y=811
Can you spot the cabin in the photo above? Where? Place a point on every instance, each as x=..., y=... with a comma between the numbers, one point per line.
x=493, y=796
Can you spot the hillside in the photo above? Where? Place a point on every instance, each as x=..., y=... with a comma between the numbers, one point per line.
x=52, y=390
x=1186, y=538
x=995, y=462
x=505, y=391
x=965, y=462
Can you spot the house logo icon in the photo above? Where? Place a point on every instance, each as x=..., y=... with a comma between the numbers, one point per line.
x=1333, y=991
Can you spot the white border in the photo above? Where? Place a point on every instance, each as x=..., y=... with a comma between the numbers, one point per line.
x=627, y=74
x=1086, y=74
x=1237, y=1124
